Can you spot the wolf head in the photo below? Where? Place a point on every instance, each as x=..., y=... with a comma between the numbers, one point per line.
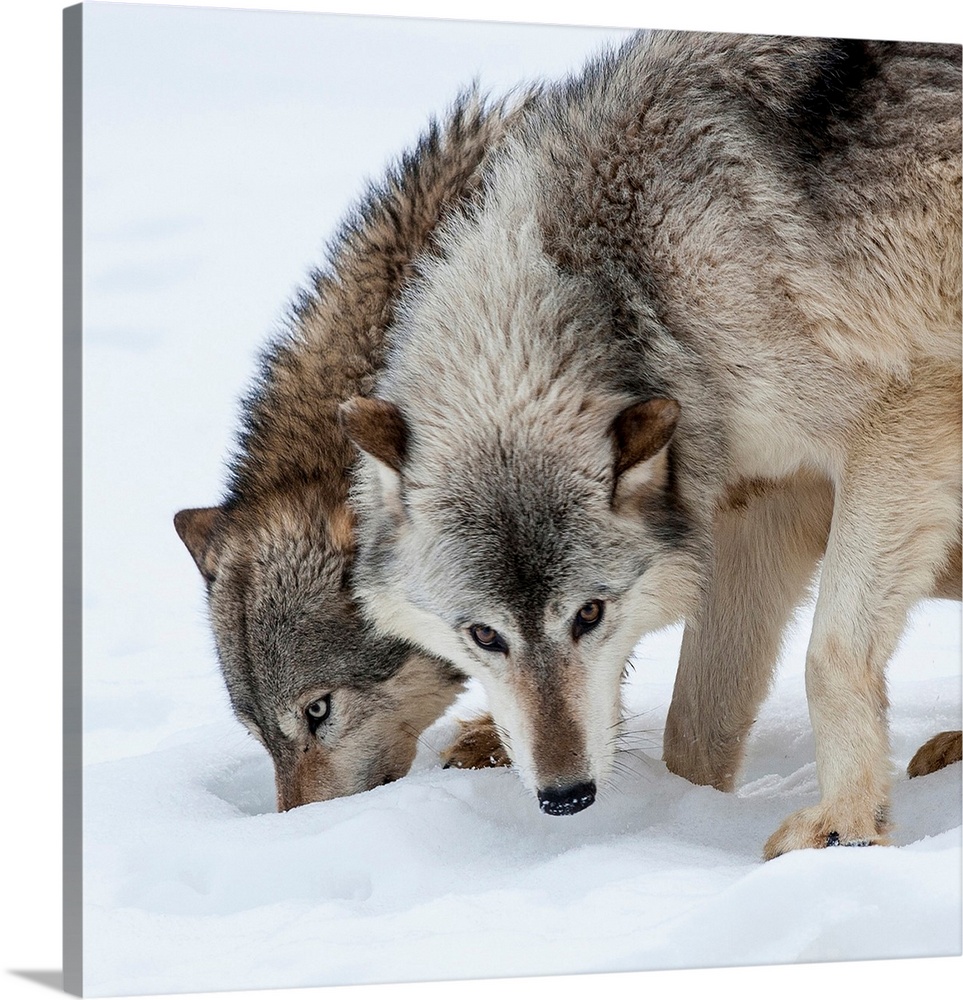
x=338, y=707
x=520, y=511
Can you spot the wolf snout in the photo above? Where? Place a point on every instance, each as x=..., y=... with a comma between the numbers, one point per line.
x=568, y=800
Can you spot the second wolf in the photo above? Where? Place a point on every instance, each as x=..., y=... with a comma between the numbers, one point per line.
x=338, y=706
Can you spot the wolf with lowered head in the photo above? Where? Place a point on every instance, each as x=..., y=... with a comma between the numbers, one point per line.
x=701, y=330
x=338, y=705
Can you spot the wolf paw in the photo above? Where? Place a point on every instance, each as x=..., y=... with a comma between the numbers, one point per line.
x=477, y=745
x=936, y=753
x=818, y=827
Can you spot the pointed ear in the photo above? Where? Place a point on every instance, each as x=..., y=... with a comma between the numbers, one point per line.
x=199, y=529
x=378, y=428
x=641, y=433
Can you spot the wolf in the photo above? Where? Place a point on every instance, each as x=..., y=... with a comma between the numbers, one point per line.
x=699, y=331
x=338, y=705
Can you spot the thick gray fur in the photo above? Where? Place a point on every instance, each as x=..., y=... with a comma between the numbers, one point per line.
x=702, y=327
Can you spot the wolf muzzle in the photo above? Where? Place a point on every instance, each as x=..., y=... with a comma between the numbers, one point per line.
x=566, y=801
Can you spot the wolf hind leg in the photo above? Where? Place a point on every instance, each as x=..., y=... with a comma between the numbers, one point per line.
x=767, y=544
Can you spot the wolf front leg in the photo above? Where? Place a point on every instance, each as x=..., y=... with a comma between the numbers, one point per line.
x=896, y=525
x=937, y=752
x=479, y=744
x=768, y=538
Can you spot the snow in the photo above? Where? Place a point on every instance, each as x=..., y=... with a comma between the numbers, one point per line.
x=221, y=149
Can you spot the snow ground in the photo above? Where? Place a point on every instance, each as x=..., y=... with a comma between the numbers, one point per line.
x=194, y=882
x=221, y=148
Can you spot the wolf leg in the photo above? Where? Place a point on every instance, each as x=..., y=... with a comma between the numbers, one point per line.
x=895, y=525
x=937, y=752
x=767, y=543
x=478, y=744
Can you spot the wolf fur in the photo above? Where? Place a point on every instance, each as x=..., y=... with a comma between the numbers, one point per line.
x=936, y=753
x=338, y=706
x=701, y=330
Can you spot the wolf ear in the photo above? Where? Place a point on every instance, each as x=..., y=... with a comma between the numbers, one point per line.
x=378, y=428
x=199, y=529
x=641, y=433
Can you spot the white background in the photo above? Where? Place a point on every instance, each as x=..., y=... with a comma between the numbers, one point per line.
x=31, y=70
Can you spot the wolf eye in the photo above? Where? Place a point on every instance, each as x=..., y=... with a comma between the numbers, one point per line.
x=488, y=639
x=589, y=616
x=317, y=712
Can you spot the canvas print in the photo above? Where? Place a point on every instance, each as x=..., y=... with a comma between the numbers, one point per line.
x=521, y=500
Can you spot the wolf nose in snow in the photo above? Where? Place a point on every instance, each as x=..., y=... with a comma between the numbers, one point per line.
x=565, y=801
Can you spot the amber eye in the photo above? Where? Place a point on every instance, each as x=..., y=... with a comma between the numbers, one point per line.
x=488, y=639
x=317, y=712
x=589, y=616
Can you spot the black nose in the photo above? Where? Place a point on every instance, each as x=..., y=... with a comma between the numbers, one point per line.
x=566, y=801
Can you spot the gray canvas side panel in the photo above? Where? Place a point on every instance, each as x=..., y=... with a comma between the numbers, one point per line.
x=72, y=540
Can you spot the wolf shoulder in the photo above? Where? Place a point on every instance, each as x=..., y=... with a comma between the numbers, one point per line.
x=807, y=185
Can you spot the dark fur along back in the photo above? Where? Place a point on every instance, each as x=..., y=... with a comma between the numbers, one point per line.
x=334, y=342
x=842, y=100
